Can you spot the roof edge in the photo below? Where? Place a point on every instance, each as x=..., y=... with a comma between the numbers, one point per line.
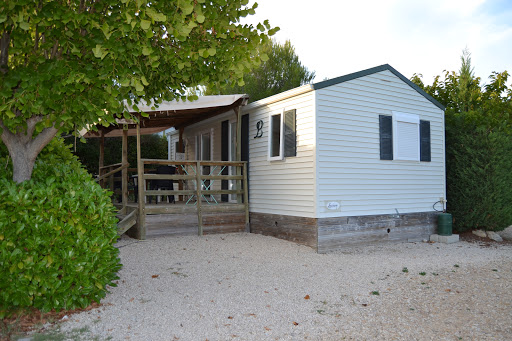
x=178, y=104
x=380, y=68
x=280, y=96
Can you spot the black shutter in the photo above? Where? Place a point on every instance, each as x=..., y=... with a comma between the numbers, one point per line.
x=290, y=133
x=224, y=155
x=386, y=137
x=425, y=153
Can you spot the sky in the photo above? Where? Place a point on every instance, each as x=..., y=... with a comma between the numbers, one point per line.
x=338, y=37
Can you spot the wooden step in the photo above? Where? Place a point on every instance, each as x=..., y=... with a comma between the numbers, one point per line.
x=127, y=222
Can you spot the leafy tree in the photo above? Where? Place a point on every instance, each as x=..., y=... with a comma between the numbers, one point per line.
x=282, y=71
x=66, y=64
x=478, y=146
x=488, y=106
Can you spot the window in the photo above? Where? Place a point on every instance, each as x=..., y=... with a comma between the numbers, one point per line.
x=404, y=137
x=282, y=135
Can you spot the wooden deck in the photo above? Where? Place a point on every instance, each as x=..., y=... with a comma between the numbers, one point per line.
x=211, y=215
x=179, y=219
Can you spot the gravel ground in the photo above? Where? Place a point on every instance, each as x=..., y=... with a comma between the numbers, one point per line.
x=253, y=287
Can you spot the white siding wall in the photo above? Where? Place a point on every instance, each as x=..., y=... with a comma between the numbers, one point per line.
x=349, y=169
x=285, y=187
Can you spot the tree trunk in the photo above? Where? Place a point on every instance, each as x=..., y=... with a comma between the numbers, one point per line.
x=22, y=162
x=24, y=149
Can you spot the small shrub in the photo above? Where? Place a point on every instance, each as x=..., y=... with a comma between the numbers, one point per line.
x=56, y=236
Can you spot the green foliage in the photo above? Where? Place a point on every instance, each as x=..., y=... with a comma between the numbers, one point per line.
x=56, y=236
x=71, y=63
x=280, y=72
x=478, y=146
x=479, y=174
x=152, y=147
x=67, y=64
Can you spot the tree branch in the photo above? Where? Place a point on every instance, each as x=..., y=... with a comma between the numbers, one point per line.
x=6, y=133
x=4, y=51
x=36, y=45
x=31, y=125
x=55, y=49
x=42, y=139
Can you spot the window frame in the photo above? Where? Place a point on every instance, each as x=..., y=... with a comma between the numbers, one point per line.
x=281, y=136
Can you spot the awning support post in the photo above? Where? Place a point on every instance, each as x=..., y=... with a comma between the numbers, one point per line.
x=238, y=113
x=124, y=160
x=141, y=220
x=180, y=148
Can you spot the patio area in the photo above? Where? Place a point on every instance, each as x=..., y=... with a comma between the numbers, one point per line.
x=207, y=196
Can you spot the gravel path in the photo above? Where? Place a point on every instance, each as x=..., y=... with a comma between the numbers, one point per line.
x=252, y=287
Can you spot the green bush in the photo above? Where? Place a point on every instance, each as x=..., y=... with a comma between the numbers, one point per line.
x=56, y=235
x=479, y=177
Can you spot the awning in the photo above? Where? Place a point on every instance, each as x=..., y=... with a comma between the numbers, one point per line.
x=177, y=114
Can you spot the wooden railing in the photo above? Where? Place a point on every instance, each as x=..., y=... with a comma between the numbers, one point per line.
x=194, y=187
x=109, y=171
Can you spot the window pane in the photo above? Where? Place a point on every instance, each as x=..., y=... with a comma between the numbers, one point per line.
x=275, y=127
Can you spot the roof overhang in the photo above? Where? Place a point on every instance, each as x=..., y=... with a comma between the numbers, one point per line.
x=177, y=114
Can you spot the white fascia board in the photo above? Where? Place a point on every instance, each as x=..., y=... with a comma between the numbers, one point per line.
x=279, y=97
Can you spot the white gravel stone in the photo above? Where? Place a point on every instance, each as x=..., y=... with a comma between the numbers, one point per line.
x=252, y=287
x=480, y=233
x=494, y=236
x=506, y=234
